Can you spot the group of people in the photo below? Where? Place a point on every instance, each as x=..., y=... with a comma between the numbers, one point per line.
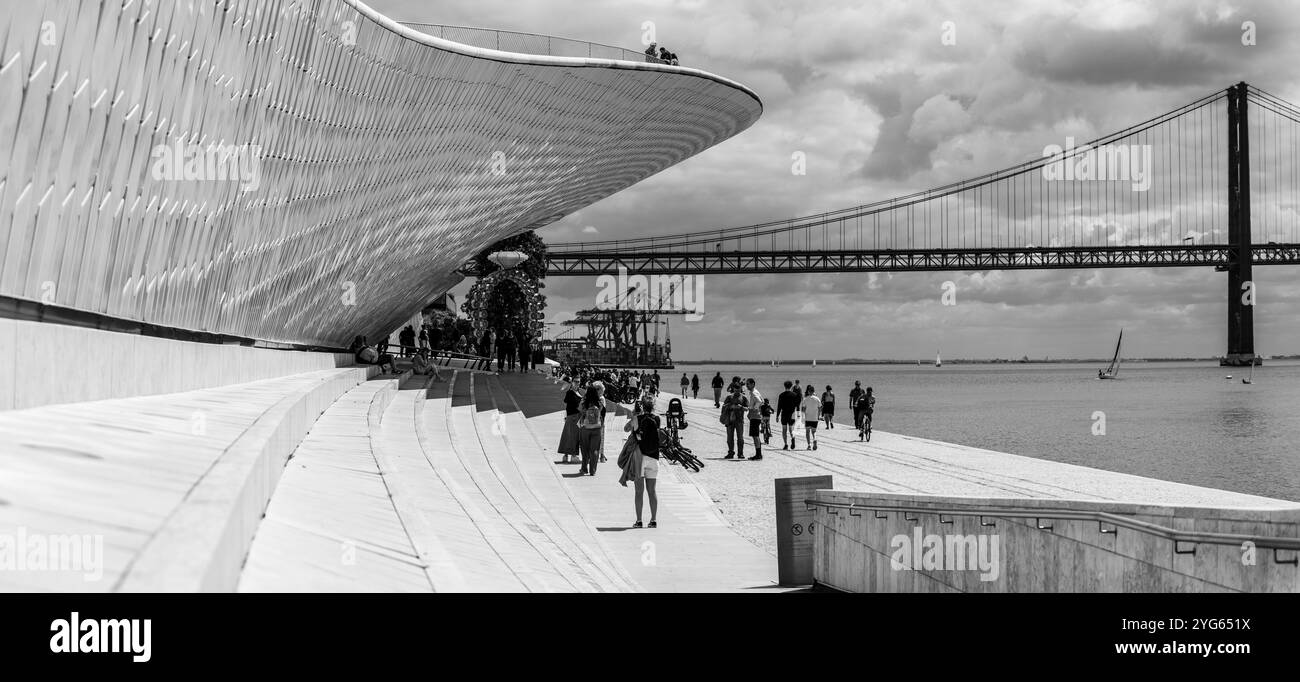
x=662, y=56
x=794, y=405
x=431, y=336
x=692, y=384
x=364, y=353
x=585, y=410
x=508, y=348
x=623, y=381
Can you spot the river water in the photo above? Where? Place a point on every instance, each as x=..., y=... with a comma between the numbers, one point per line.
x=1174, y=421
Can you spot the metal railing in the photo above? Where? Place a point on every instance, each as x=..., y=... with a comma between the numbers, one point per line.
x=528, y=43
x=1115, y=521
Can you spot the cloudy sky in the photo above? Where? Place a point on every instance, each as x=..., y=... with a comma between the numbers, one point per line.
x=880, y=106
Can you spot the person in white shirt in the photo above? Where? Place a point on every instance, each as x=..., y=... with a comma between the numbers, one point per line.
x=812, y=412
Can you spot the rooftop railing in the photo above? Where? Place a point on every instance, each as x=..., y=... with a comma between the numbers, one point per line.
x=528, y=43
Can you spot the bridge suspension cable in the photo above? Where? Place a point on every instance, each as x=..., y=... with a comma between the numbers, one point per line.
x=1159, y=183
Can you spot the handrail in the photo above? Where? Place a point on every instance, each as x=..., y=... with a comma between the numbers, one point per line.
x=528, y=43
x=1061, y=514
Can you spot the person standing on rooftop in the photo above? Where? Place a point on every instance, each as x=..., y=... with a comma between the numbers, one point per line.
x=651, y=52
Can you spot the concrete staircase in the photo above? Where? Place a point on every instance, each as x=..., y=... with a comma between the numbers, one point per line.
x=412, y=487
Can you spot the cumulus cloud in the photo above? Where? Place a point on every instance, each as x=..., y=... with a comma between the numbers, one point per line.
x=881, y=108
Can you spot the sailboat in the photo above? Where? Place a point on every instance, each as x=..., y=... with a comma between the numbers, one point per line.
x=814, y=363
x=1250, y=379
x=1112, y=370
x=938, y=362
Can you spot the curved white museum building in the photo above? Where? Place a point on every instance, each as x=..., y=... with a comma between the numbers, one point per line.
x=302, y=171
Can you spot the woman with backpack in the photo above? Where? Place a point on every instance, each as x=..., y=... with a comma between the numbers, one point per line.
x=590, y=430
x=644, y=425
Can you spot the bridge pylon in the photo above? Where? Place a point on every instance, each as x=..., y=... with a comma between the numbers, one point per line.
x=1241, y=286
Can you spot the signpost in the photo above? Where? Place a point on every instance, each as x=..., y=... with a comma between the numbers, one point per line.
x=795, y=529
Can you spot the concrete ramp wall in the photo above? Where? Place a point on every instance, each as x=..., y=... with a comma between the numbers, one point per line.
x=878, y=542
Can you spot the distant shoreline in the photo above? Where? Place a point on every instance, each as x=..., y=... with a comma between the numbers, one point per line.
x=857, y=361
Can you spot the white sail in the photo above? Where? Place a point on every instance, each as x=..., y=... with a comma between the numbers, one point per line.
x=938, y=360
x=1112, y=370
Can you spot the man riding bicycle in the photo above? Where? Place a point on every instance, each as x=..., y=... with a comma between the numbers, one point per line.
x=864, y=408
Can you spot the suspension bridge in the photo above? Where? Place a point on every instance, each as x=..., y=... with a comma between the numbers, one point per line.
x=1177, y=190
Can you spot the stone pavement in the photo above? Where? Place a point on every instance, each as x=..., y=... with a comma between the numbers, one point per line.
x=695, y=548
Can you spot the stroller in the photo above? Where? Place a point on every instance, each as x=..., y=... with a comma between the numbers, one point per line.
x=676, y=416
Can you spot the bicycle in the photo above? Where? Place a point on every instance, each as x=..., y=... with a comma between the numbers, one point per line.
x=671, y=448
x=864, y=426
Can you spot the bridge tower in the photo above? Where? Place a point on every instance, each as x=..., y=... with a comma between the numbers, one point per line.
x=1241, y=294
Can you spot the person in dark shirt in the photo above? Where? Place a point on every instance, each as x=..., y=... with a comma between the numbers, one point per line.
x=647, y=437
x=569, y=436
x=695, y=385
x=407, y=339
x=767, y=421
x=855, y=402
x=718, y=383
x=786, y=405
x=508, y=341
x=734, y=410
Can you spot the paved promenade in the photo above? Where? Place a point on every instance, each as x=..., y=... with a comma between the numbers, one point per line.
x=894, y=463
x=695, y=548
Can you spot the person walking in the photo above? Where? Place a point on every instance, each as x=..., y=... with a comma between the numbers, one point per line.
x=424, y=337
x=686, y=384
x=812, y=410
x=854, y=397
x=645, y=426
x=695, y=386
x=654, y=378
x=828, y=407
x=590, y=430
x=718, y=383
x=569, y=436
x=755, y=414
x=767, y=421
x=787, y=404
x=733, y=415
x=501, y=352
